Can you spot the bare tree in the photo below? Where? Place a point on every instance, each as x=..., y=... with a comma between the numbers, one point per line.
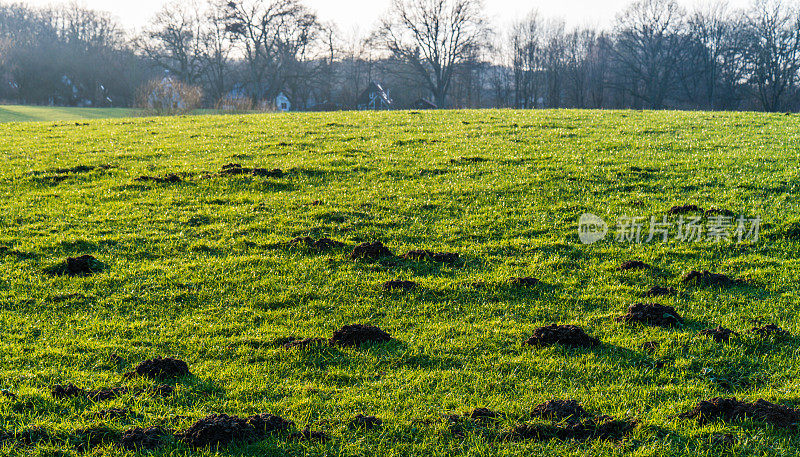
x=434, y=37
x=216, y=49
x=274, y=36
x=526, y=58
x=648, y=50
x=772, y=51
x=173, y=40
x=712, y=38
x=554, y=61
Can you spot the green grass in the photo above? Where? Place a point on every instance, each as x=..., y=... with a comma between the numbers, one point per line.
x=14, y=113
x=197, y=270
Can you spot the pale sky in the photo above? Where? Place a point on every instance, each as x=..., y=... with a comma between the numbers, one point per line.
x=362, y=14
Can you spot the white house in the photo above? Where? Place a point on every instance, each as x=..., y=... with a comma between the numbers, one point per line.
x=282, y=103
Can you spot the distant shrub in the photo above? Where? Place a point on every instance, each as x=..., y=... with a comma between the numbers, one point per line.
x=168, y=96
x=234, y=104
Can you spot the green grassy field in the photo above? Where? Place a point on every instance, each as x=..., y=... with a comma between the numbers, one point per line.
x=200, y=270
x=15, y=113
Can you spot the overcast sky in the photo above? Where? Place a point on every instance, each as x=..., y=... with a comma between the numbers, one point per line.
x=362, y=14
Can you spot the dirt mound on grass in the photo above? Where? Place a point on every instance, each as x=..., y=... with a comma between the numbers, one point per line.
x=372, y=251
x=634, y=265
x=162, y=368
x=221, y=429
x=170, y=178
x=707, y=278
x=652, y=314
x=306, y=343
x=482, y=414
x=684, y=209
x=106, y=394
x=598, y=428
x=358, y=334
x=322, y=244
x=84, y=265
x=365, y=422
x=719, y=334
x=144, y=438
x=233, y=169
x=560, y=411
x=769, y=330
x=430, y=256
x=524, y=282
x=66, y=391
x=728, y=409
x=565, y=335
x=399, y=285
x=658, y=291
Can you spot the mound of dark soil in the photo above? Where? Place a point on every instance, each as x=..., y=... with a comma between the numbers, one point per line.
x=634, y=265
x=85, y=265
x=365, y=422
x=600, y=428
x=233, y=169
x=221, y=429
x=322, y=244
x=482, y=414
x=469, y=160
x=358, y=334
x=81, y=169
x=707, y=278
x=309, y=435
x=560, y=411
x=144, y=438
x=728, y=409
x=719, y=212
x=373, y=251
x=399, y=285
x=769, y=330
x=66, y=391
x=162, y=368
x=652, y=314
x=684, y=209
x=524, y=282
x=658, y=291
x=430, y=256
x=106, y=394
x=566, y=335
x=792, y=231
x=306, y=343
x=719, y=334
x=170, y=178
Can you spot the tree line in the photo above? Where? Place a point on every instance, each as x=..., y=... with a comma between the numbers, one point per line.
x=656, y=55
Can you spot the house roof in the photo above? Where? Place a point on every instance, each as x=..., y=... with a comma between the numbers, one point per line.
x=373, y=91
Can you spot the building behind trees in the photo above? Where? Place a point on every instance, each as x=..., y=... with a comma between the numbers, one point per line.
x=245, y=53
